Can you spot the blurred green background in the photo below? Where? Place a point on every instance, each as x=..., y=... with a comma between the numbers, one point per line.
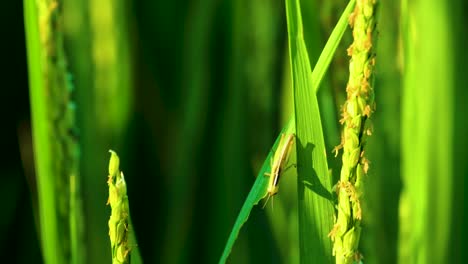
x=192, y=95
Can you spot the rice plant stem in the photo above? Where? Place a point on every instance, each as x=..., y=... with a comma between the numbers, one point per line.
x=56, y=147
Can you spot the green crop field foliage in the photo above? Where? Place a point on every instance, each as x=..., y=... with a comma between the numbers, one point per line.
x=224, y=117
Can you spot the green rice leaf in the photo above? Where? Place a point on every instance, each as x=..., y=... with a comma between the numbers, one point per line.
x=49, y=233
x=256, y=194
x=332, y=44
x=314, y=183
x=56, y=147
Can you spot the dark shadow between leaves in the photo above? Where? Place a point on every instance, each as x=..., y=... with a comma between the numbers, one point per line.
x=309, y=177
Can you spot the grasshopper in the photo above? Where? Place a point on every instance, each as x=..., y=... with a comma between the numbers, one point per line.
x=278, y=162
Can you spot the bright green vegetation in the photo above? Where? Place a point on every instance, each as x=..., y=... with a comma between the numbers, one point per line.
x=195, y=97
x=54, y=127
x=314, y=184
x=427, y=129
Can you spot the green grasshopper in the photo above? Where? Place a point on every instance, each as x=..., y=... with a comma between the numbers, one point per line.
x=278, y=162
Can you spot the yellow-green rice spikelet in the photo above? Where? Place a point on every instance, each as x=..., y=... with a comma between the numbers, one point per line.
x=357, y=109
x=119, y=223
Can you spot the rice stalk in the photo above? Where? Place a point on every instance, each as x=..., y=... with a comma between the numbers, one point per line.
x=56, y=147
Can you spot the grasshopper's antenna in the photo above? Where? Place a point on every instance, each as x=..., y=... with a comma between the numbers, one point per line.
x=266, y=201
x=272, y=203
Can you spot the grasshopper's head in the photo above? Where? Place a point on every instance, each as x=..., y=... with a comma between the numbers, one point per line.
x=272, y=190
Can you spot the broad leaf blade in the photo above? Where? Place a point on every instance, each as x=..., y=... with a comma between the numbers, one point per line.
x=314, y=184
